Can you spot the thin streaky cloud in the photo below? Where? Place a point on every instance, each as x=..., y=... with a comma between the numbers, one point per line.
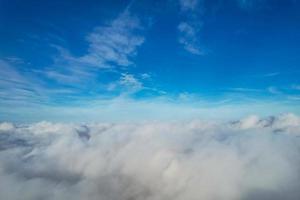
x=271, y=74
x=274, y=90
x=189, y=27
x=188, y=5
x=240, y=89
x=295, y=87
x=109, y=47
x=188, y=38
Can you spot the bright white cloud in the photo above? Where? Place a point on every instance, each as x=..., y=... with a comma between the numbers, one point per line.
x=251, y=158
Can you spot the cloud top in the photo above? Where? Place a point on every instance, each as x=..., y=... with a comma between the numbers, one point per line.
x=251, y=158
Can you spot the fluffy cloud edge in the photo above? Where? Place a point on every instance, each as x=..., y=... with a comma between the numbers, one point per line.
x=245, y=159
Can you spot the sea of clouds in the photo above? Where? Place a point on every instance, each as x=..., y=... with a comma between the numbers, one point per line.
x=248, y=159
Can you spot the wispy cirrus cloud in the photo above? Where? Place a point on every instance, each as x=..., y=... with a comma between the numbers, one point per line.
x=128, y=84
x=115, y=43
x=110, y=47
x=250, y=4
x=268, y=75
x=188, y=5
x=18, y=87
x=188, y=37
x=191, y=22
x=15, y=85
x=295, y=87
x=190, y=26
x=241, y=89
x=272, y=74
x=274, y=90
x=21, y=94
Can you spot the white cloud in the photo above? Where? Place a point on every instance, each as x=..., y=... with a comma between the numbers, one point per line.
x=250, y=4
x=296, y=87
x=252, y=158
x=115, y=43
x=15, y=85
x=127, y=84
x=109, y=47
x=274, y=90
x=241, y=89
x=192, y=20
x=122, y=106
x=14, y=60
x=187, y=5
x=130, y=82
x=190, y=27
x=188, y=38
x=20, y=87
x=10, y=74
x=146, y=76
x=6, y=127
x=271, y=74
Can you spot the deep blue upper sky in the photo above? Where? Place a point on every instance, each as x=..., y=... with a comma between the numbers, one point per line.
x=74, y=54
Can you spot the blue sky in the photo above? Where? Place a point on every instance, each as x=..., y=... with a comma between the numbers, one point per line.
x=77, y=60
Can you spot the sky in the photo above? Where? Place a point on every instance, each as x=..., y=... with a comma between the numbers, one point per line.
x=71, y=60
x=150, y=99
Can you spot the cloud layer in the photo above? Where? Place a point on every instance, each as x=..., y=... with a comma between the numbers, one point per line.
x=251, y=158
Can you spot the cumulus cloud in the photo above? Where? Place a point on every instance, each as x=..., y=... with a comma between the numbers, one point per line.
x=251, y=158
